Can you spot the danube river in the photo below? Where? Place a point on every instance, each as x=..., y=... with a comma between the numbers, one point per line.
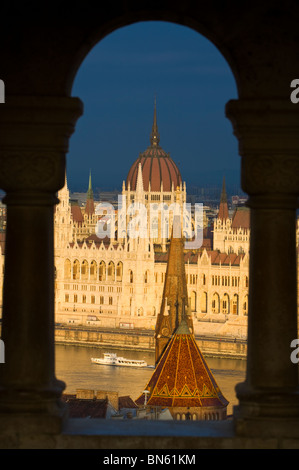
x=74, y=367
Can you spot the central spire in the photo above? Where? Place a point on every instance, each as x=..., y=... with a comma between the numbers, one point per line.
x=89, y=191
x=155, y=136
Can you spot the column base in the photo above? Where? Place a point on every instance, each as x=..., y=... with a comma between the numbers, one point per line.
x=32, y=412
x=267, y=413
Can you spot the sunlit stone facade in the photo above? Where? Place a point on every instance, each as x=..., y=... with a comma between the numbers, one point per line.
x=118, y=281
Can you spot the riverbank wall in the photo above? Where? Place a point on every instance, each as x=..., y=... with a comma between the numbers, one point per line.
x=143, y=340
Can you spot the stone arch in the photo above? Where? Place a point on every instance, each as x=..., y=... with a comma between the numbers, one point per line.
x=215, y=303
x=111, y=271
x=193, y=301
x=262, y=82
x=119, y=271
x=84, y=270
x=235, y=305
x=67, y=269
x=93, y=270
x=225, y=306
x=204, y=302
x=245, y=305
x=102, y=271
x=76, y=270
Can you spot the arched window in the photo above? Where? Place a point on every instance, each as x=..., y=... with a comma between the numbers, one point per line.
x=225, y=304
x=119, y=271
x=215, y=303
x=204, y=302
x=102, y=271
x=84, y=270
x=111, y=271
x=245, y=305
x=235, y=304
x=93, y=270
x=76, y=270
x=131, y=278
x=67, y=269
x=193, y=301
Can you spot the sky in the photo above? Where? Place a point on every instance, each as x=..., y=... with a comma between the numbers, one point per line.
x=118, y=82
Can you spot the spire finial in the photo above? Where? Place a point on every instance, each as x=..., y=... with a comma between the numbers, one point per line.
x=89, y=191
x=223, y=192
x=155, y=136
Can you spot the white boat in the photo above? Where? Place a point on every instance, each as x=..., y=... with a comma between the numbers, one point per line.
x=111, y=359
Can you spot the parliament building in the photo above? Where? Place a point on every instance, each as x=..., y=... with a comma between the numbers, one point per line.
x=117, y=280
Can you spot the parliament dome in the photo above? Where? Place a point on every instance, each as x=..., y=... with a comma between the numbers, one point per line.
x=157, y=166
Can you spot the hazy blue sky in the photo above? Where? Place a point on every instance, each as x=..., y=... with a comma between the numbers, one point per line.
x=117, y=83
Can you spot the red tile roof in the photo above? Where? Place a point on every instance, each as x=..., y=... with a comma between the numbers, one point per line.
x=225, y=258
x=76, y=213
x=182, y=377
x=241, y=218
x=86, y=408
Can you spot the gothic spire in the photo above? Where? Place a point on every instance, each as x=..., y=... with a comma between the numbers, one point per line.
x=223, y=208
x=89, y=208
x=155, y=136
x=223, y=192
x=89, y=191
x=175, y=302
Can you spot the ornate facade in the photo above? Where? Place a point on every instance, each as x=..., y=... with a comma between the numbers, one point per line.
x=118, y=280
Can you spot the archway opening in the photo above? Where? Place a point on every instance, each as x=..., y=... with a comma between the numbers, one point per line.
x=117, y=83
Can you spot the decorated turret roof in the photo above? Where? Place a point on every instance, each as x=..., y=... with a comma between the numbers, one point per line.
x=182, y=377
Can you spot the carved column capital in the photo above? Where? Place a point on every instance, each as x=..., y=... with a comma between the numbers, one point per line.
x=34, y=138
x=267, y=131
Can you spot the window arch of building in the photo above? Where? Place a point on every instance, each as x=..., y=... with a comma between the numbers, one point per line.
x=225, y=304
x=154, y=228
x=76, y=270
x=84, y=270
x=111, y=271
x=119, y=271
x=235, y=305
x=204, y=302
x=93, y=270
x=193, y=301
x=131, y=276
x=215, y=303
x=102, y=271
x=67, y=269
x=245, y=305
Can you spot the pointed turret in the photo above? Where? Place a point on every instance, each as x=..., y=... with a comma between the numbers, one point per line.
x=183, y=382
x=223, y=207
x=139, y=185
x=175, y=305
x=89, y=208
x=155, y=136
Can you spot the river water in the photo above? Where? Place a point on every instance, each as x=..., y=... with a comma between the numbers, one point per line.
x=74, y=367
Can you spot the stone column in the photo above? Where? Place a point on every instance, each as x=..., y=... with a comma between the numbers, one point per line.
x=33, y=142
x=269, y=147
